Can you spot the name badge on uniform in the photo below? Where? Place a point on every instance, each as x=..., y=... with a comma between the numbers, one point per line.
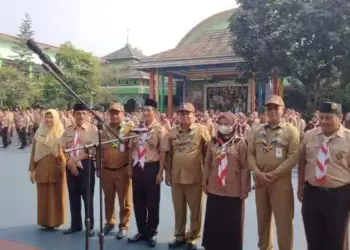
x=279, y=153
x=122, y=147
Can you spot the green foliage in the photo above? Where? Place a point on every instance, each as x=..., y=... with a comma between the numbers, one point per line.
x=110, y=74
x=82, y=74
x=14, y=88
x=307, y=41
x=23, y=56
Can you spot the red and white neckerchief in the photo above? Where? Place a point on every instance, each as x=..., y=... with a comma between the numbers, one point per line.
x=139, y=154
x=221, y=153
x=323, y=160
x=76, y=144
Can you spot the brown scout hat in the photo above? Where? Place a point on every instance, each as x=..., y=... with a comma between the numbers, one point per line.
x=186, y=107
x=274, y=99
x=116, y=106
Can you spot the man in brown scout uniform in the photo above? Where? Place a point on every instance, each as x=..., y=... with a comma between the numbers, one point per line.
x=78, y=135
x=7, y=128
x=147, y=164
x=188, y=143
x=273, y=152
x=324, y=180
x=115, y=172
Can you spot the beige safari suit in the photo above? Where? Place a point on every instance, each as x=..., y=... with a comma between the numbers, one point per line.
x=277, y=197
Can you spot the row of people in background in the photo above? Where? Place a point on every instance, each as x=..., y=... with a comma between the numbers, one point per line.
x=200, y=156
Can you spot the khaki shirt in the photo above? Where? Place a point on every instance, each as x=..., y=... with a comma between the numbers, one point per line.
x=158, y=142
x=282, y=156
x=238, y=175
x=8, y=120
x=185, y=162
x=338, y=170
x=116, y=154
x=88, y=135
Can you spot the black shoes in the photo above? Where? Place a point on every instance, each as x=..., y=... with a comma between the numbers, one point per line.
x=136, y=238
x=176, y=243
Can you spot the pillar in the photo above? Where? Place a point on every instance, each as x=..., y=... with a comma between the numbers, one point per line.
x=275, y=84
x=184, y=90
x=151, y=85
x=157, y=85
x=253, y=94
x=281, y=87
x=162, y=93
x=170, y=95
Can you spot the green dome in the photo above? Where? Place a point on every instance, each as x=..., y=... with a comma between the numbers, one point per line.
x=218, y=21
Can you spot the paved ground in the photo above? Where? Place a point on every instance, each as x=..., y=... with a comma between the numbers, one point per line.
x=18, y=215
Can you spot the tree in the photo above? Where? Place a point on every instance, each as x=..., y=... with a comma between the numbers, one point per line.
x=14, y=89
x=23, y=56
x=305, y=40
x=81, y=70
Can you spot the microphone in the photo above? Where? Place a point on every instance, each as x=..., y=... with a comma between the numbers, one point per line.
x=33, y=46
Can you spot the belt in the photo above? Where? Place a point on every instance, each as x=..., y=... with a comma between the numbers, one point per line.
x=328, y=189
x=115, y=169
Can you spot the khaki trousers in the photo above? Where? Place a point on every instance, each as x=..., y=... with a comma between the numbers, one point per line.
x=191, y=195
x=278, y=199
x=117, y=182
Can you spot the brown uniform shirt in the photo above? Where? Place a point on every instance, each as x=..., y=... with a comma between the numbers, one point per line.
x=88, y=135
x=338, y=170
x=282, y=156
x=157, y=142
x=238, y=175
x=187, y=152
x=116, y=154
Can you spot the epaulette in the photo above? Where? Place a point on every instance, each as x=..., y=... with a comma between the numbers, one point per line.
x=130, y=124
x=71, y=126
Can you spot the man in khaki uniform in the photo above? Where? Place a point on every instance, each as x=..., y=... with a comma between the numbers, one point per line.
x=273, y=152
x=188, y=143
x=7, y=129
x=146, y=164
x=115, y=172
x=78, y=135
x=324, y=180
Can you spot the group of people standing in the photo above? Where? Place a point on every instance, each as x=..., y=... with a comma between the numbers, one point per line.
x=196, y=153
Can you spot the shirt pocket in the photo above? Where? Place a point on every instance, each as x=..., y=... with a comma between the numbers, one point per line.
x=312, y=151
x=339, y=154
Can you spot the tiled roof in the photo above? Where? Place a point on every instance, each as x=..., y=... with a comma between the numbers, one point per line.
x=127, y=52
x=41, y=45
x=213, y=46
x=15, y=39
x=215, y=22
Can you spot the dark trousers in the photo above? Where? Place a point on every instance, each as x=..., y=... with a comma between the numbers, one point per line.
x=325, y=215
x=5, y=137
x=23, y=137
x=146, y=198
x=77, y=189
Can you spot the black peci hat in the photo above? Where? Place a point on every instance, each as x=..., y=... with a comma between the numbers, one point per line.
x=330, y=108
x=79, y=107
x=151, y=103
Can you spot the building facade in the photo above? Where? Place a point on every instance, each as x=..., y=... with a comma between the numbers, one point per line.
x=7, y=43
x=133, y=85
x=205, y=68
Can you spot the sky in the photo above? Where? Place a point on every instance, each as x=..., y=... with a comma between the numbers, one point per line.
x=100, y=26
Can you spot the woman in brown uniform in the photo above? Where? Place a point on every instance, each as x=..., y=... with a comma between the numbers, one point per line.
x=226, y=181
x=46, y=168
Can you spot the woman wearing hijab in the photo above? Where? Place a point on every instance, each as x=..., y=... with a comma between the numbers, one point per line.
x=226, y=181
x=46, y=169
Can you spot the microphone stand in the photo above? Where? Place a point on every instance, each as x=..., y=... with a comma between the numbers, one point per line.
x=57, y=73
